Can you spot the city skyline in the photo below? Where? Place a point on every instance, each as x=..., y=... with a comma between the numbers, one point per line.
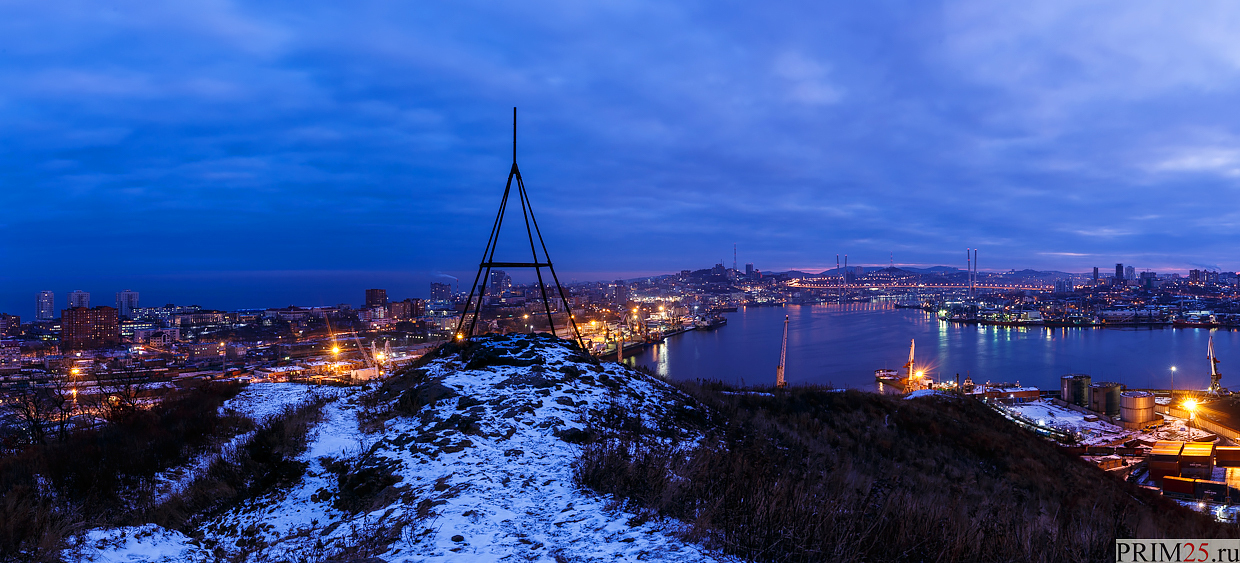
x=349, y=294
x=298, y=153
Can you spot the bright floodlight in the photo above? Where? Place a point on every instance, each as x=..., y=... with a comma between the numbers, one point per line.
x=335, y=349
x=920, y=373
x=1190, y=404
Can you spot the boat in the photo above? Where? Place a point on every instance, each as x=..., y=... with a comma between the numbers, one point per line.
x=712, y=323
x=1133, y=317
x=912, y=381
x=886, y=375
x=1196, y=319
x=1075, y=320
x=1003, y=318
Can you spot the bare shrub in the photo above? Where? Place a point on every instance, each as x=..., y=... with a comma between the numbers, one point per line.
x=101, y=475
x=811, y=475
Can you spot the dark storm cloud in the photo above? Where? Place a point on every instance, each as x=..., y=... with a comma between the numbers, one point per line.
x=351, y=145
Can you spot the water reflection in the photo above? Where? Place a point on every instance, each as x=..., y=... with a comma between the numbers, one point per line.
x=844, y=344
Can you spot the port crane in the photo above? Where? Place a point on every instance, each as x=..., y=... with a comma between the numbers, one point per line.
x=1215, y=387
x=913, y=382
x=783, y=356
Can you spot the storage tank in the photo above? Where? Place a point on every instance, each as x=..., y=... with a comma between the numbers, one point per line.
x=1136, y=406
x=1080, y=390
x=1104, y=397
x=1065, y=388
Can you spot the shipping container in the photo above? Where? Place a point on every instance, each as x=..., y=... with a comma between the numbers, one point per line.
x=1178, y=485
x=1197, y=460
x=1165, y=466
x=1215, y=491
x=1227, y=456
x=1166, y=450
x=1157, y=475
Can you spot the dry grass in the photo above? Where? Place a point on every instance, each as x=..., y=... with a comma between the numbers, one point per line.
x=813, y=475
x=49, y=492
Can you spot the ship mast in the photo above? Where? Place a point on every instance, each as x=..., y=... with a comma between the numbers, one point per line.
x=783, y=356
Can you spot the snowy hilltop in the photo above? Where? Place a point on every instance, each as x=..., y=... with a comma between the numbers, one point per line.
x=467, y=456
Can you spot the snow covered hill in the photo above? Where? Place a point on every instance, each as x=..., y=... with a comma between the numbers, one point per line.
x=468, y=457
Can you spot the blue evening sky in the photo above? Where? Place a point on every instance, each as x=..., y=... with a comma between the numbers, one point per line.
x=267, y=153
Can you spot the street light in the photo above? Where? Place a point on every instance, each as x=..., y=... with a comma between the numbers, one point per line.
x=1191, y=406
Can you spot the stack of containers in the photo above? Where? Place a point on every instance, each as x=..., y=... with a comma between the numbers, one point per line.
x=1227, y=456
x=1197, y=460
x=1164, y=460
x=1213, y=491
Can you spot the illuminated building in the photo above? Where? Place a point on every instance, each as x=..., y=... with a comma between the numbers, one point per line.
x=46, y=306
x=79, y=298
x=376, y=298
x=126, y=303
x=86, y=329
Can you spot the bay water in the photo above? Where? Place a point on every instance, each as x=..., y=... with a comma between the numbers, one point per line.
x=842, y=344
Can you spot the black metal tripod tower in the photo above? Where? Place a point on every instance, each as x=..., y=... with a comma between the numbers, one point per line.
x=465, y=327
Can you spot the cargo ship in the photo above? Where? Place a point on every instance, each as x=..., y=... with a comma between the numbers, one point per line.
x=1019, y=318
x=1075, y=320
x=1196, y=319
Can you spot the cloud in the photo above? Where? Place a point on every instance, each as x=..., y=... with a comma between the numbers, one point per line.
x=805, y=79
x=653, y=135
x=1224, y=161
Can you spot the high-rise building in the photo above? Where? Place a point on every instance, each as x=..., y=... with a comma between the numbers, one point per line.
x=749, y=270
x=79, y=298
x=1119, y=272
x=441, y=292
x=10, y=325
x=407, y=309
x=1095, y=275
x=376, y=298
x=85, y=329
x=1130, y=273
x=46, y=306
x=621, y=292
x=499, y=282
x=126, y=303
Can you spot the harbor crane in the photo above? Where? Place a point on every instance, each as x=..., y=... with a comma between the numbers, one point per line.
x=1215, y=387
x=913, y=382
